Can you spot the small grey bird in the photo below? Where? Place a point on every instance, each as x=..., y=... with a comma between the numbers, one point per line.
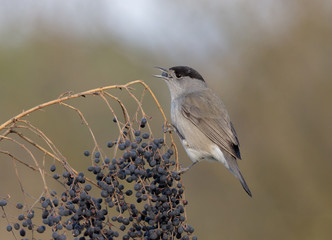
x=201, y=120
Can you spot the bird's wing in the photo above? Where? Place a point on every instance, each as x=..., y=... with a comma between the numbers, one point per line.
x=207, y=112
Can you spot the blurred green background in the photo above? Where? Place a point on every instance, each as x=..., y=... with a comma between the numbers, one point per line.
x=270, y=62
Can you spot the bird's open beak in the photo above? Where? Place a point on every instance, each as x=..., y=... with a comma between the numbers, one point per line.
x=164, y=73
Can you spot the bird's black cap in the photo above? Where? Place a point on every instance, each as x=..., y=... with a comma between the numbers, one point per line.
x=184, y=71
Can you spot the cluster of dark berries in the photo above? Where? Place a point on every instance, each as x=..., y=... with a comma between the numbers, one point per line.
x=137, y=195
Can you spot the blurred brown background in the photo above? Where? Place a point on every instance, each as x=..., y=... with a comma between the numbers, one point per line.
x=270, y=61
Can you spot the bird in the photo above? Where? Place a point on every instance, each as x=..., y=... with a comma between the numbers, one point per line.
x=201, y=121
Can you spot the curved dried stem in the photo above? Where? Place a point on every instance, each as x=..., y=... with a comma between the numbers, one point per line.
x=43, y=150
x=32, y=157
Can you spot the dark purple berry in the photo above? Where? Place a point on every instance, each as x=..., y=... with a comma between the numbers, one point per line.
x=22, y=232
x=3, y=203
x=145, y=135
x=53, y=168
x=143, y=122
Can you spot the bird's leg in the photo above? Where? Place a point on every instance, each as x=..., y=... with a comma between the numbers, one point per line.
x=183, y=170
x=169, y=128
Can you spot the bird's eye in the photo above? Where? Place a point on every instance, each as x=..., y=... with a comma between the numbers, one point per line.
x=178, y=75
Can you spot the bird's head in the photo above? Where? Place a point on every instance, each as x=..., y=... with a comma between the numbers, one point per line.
x=181, y=80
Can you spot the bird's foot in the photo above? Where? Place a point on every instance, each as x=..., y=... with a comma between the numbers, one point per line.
x=168, y=128
x=183, y=170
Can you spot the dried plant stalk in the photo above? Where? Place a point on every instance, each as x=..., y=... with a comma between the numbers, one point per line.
x=148, y=164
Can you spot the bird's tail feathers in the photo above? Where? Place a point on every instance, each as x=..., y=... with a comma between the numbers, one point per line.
x=234, y=169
